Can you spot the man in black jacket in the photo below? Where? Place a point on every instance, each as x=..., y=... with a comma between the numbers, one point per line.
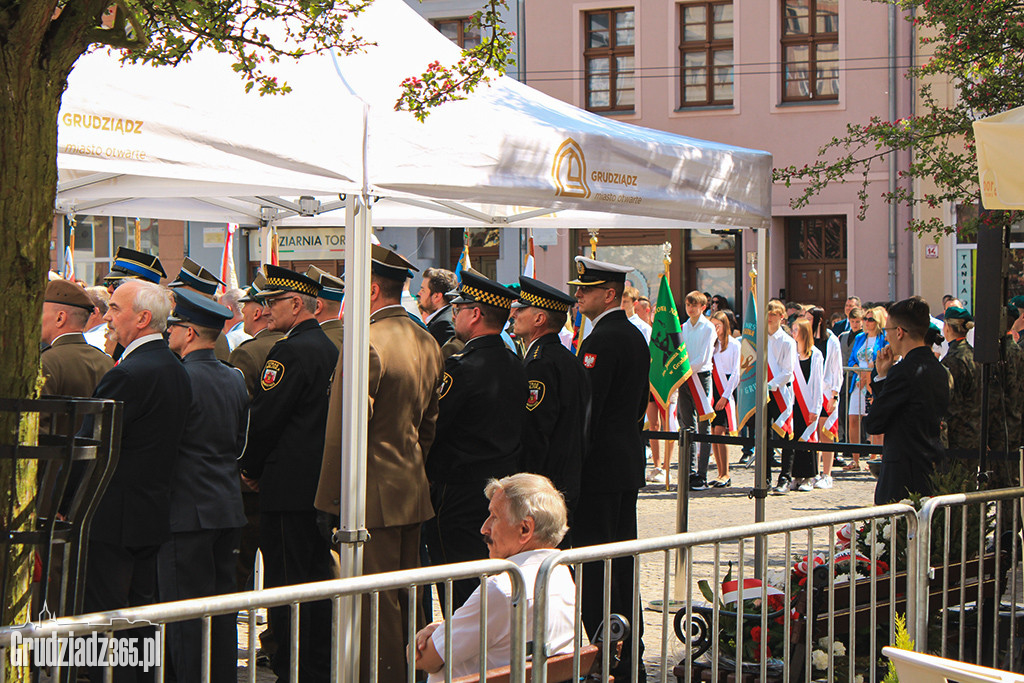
x=282, y=459
x=558, y=403
x=911, y=398
x=432, y=301
x=618, y=363
x=206, y=503
x=481, y=407
x=132, y=519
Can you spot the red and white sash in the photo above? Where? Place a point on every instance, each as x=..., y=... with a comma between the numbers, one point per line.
x=802, y=394
x=783, y=425
x=705, y=410
x=830, y=430
x=730, y=408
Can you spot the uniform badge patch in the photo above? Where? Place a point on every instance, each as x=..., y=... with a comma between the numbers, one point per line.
x=536, y=394
x=273, y=371
x=589, y=360
x=446, y=384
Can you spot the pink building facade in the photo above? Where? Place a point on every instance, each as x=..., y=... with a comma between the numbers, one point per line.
x=779, y=75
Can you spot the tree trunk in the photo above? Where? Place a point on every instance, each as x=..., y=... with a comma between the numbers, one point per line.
x=29, y=104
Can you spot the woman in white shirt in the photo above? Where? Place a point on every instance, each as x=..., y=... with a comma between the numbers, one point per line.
x=725, y=376
x=832, y=383
x=800, y=467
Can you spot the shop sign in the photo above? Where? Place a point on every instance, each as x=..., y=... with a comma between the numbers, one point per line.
x=303, y=244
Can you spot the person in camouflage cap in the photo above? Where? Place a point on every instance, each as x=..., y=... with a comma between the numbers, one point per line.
x=961, y=426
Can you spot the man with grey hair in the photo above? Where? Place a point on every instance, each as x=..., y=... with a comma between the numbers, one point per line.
x=527, y=522
x=234, y=329
x=132, y=518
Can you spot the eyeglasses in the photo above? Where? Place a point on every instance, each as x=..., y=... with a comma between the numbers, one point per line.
x=270, y=302
x=869, y=320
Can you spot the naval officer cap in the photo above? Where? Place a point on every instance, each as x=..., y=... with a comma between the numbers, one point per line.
x=281, y=280
x=390, y=264
x=192, y=307
x=67, y=294
x=129, y=263
x=198, y=278
x=540, y=295
x=259, y=283
x=331, y=288
x=590, y=272
x=477, y=289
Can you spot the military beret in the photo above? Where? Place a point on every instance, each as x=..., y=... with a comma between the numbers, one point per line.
x=957, y=313
x=67, y=294
x=193, y=307
x=535, y=293
x=590, y=272
x=477, y=289
x=129, y=263
x=390, y=264
x=1017, y=301
x=280, y=280
x=198, y=278
x=331, y=288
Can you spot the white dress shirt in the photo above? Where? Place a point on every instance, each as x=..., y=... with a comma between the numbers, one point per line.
x=700, y=343
x=144, y=339
x=782, y=355
x=642, y=326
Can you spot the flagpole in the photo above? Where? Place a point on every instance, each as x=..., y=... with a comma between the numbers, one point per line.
x=666, y=248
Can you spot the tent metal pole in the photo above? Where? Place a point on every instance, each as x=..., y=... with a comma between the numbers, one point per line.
x=355, y=368
x=761, y=454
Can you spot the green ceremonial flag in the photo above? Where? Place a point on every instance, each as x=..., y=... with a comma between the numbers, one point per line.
x=670, y=366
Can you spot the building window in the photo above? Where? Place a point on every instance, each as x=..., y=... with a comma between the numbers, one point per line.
x=459, y=31
x=810, y=50
x=608, y=55
x=705, y=53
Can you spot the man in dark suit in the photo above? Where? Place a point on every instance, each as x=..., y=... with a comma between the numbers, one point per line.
x=71, y=367
x=479, y=426
x=132, y=518
x=328, y=304
x=558, y=403
x=405, y=372
x=282, y=458
x=432, y=301
x=911, y=398
x=618, y=362
x=206, y=503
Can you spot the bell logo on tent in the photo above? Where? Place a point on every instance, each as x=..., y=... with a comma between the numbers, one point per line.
x=569, y=170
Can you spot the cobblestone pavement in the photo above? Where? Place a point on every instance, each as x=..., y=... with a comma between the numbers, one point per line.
x=711, y=509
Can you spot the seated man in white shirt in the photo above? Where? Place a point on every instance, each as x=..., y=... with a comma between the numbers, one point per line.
x=527, y=522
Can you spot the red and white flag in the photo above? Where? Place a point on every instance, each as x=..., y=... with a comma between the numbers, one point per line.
x=802, y=395
x=730, y=406
x=783, y=425
x=227, y=262
x=830, y=430
x=705, y=410
x=529, y=266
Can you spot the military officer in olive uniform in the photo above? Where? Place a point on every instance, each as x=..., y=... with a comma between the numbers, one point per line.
x=962, y=423
x=282, y=459
x=617, y=361
x=405, y=372
x=328, y=304
x=479, y=426
x=71, y=367
x=198, y=279
x=250, y=355
x=206, y=504
x=558, y=402
x=1006, y=404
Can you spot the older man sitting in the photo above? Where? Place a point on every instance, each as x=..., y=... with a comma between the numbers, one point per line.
x=526, y=523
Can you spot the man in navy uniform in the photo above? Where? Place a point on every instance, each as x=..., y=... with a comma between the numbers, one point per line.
x=206, y=503
x=195, y=277
x=558, y=403
x=479, y=426
x=618, y=362
x=282, y=459
x=132, y=519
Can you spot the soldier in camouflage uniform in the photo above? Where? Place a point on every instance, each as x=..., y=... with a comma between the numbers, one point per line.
x=961, y=427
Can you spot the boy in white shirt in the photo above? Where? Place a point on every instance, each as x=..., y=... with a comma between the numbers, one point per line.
x=699, y=338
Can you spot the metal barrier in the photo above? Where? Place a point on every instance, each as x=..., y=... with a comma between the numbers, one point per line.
x=971, y=576
x=336, y=590
x=882, y=594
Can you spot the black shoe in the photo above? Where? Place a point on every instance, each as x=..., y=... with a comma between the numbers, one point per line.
x=774, y=462
x=699, y=486
x=746, y=458
x=722, y=483
x=840, y=461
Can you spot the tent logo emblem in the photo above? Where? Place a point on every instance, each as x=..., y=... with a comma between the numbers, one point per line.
x=569, y=170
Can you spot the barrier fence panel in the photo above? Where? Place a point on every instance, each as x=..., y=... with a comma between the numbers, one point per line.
x=968, y=583
x=15, y=640
x=826, y=605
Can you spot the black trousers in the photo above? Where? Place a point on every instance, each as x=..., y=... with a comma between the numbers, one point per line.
x=116, y=577
x=293, y=553
x=453, y=535
x=689, y=419
x=605, y=517
x=196, y=564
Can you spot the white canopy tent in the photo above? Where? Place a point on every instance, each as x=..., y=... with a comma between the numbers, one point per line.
x=188, y=143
